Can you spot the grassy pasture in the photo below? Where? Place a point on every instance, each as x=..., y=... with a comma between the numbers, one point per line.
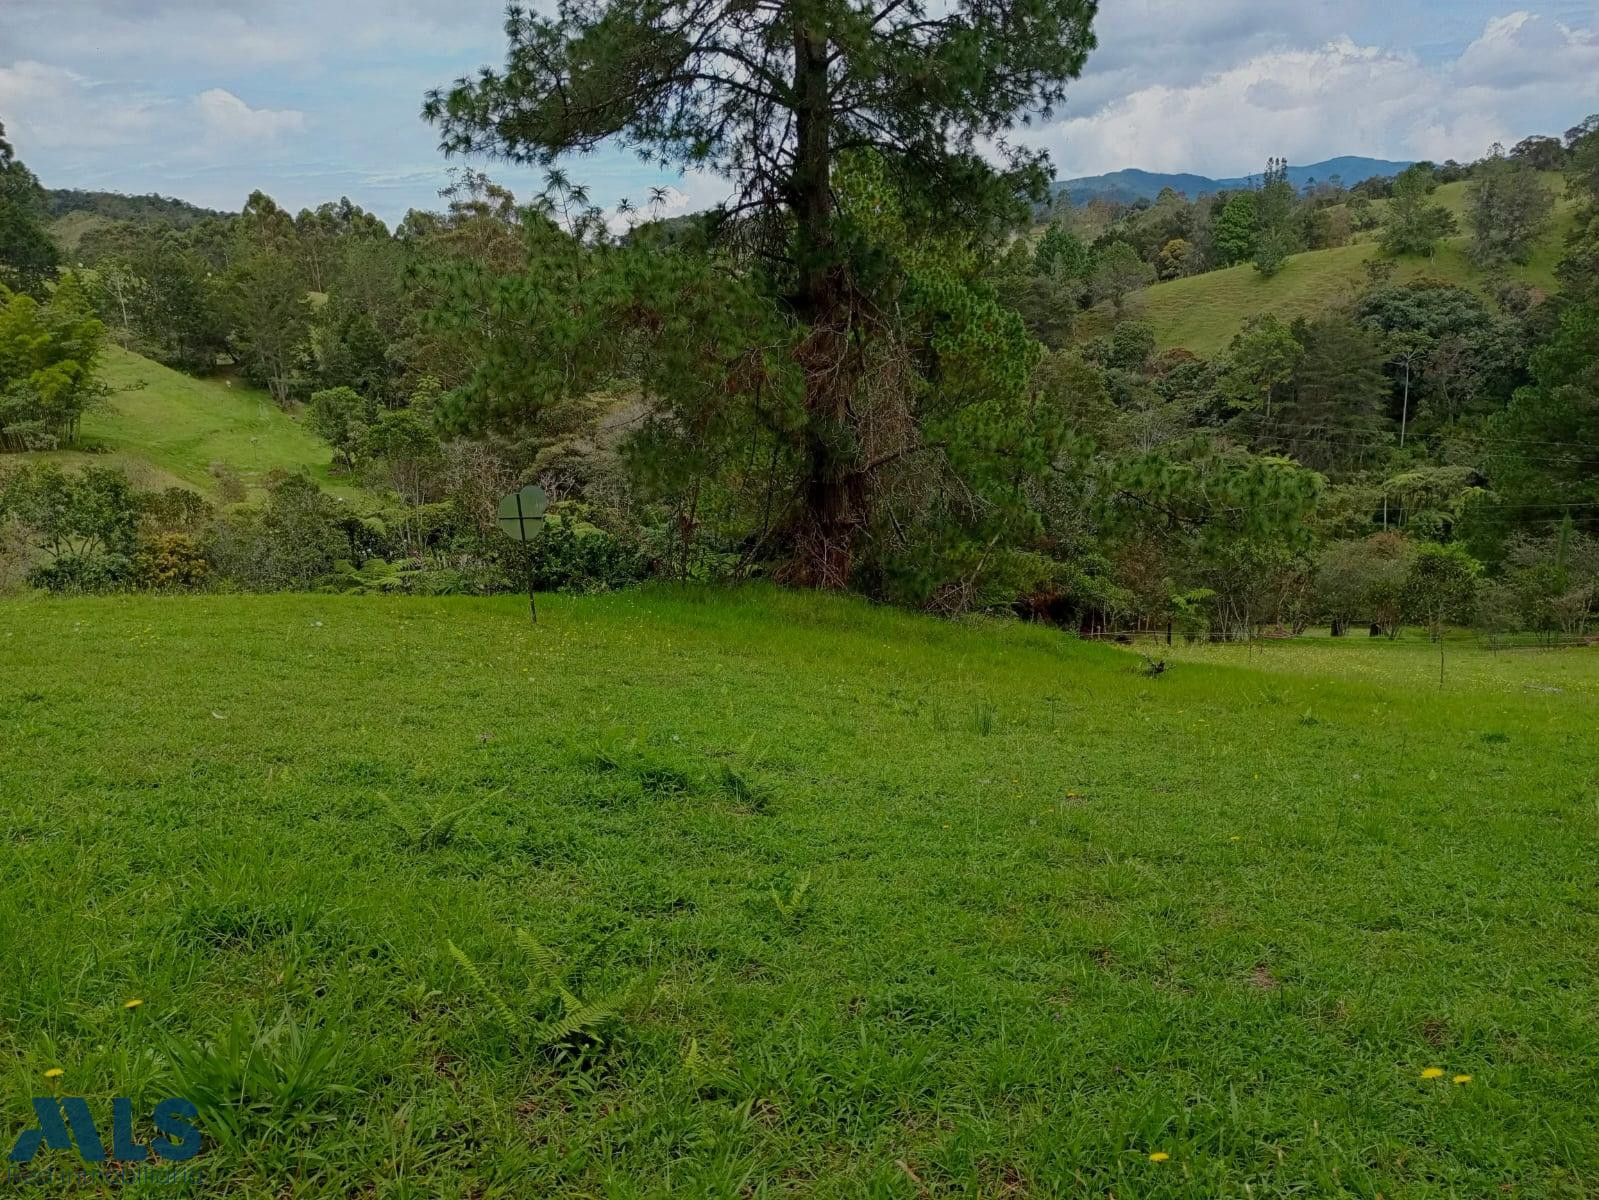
x=918, y=909
x=1202, y=312
x=70, y=229
x=167, y=428
x=1521, y=666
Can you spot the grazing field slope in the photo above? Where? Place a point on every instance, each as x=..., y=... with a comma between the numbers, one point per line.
x=167, y=428
x=886, y=906
x=1202, y=312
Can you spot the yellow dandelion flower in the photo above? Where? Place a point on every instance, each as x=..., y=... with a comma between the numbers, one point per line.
x=134, y=1003
x=54, y=1073
x=1159, y=1156
x=1462, y=1079
x=1433, y=1073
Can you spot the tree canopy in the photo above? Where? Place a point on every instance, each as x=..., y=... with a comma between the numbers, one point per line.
x=28, y=255
x=1413, y=224
x=48, y=356
x=776, y=99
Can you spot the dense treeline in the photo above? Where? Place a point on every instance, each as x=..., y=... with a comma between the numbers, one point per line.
x=1415, y=454
x=151, y=208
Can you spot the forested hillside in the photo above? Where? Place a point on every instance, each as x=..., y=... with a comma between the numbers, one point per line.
x=151, y=209
x=75, y=213
x=1366, y=405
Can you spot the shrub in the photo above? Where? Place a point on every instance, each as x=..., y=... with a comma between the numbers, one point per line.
x=175, y=510
x=1554, y=581
x=573, y=556
x=1440, y=586
x=229, y=486
x=170, y=561
x=92, y=571
x=81, y=526
x=1364, y=580
x=48, y=355
x=15, y=552
x=289, y=545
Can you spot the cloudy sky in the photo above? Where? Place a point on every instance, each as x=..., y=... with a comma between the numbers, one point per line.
x=313, y=99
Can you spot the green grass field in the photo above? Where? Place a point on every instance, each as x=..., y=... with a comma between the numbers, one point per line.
x=70, y=230
x=165, y=428
x=912, y=908
x=1202, y=312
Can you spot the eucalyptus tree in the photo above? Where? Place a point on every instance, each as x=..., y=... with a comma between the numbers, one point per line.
x=777, y=97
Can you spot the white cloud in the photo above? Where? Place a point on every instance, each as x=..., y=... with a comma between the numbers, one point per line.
x=1522, y=50
x=699, y=191
x=224, y=117
x=309, y=99
x=49, y=105
x=1179, y=40
x=1274, y=103
x=241, y=35
x=1522, y=75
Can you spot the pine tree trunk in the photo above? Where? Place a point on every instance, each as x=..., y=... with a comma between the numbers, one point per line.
x=829, y=522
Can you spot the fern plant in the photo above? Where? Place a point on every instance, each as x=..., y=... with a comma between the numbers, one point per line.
x=432, y=828
x=789, y=908
x=743, y=791
x=581, y=1021
x=739, y=784
x=373, y=577
x=709, y=1076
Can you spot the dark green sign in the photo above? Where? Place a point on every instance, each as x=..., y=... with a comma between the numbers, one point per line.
x=522, y=518
x=522, y=513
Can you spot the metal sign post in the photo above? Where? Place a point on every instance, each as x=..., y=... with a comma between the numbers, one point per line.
x=522, y=519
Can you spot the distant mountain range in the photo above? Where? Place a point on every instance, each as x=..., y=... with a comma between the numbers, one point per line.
x=1129, y=185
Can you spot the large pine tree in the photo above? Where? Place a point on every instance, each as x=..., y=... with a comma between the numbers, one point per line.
x=774, y=96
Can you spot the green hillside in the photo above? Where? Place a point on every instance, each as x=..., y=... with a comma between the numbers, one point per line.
x=166, y=428
x=75, y=212
x=1202, y=312
x=908, y=909
x=70, y=230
